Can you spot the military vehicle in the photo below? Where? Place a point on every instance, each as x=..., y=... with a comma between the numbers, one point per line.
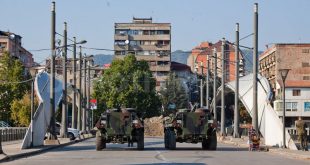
x=119, y=126
x=186, y=126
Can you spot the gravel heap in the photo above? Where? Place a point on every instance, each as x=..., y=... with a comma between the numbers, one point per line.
x=154, y=126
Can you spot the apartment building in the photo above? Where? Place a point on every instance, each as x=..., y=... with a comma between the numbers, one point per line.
x=147, y=41
x=295, y=57
x=12, y=43
x=203, y=53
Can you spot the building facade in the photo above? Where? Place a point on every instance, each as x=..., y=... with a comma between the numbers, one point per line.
x=12, y=43
x=147, y=41
x=296, y=58
x=204, y=52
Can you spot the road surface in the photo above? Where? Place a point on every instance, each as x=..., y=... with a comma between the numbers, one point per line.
x=84, y=153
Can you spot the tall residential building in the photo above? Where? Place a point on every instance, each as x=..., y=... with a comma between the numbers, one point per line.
x=12, y=43
x=204, y=52
x=147, y=41
x=296, y=58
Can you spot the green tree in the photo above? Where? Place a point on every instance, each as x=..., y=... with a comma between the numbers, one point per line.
x=11, y=74
x=21, y=110
x=174, y=92
x=128, y=83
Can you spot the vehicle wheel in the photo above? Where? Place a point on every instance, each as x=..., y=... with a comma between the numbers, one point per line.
x=140, y=142
x=71, y=136
x=213, y=141
x=99, y=144
x=172, y=140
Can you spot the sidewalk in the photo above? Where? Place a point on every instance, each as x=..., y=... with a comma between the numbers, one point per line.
x=12, y=149
x=242, y=142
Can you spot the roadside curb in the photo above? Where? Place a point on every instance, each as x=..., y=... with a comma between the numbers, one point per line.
x=8, y=158
x=290, y=155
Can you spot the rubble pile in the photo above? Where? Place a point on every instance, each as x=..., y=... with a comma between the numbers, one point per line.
x=154, y=126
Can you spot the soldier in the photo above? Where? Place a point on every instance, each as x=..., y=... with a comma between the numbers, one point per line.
x=302, y=135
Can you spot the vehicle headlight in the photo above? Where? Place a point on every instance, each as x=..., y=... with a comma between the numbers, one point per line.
x=179, y=121
x=103, y=122
x=135, y=122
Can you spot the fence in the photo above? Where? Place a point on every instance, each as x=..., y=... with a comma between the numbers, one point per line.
x=12, y=133
x=293, y=132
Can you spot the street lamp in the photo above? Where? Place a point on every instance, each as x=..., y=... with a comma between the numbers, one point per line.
x=283, y=73
x=33, y=73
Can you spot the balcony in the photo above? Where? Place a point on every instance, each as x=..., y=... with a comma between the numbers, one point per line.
x=160, y=68
x=120, y=47
x=121, y=37
x=149, y=47
x=150, y=37
x=153, y=58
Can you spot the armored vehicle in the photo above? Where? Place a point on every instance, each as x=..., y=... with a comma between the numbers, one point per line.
x=186, y=126
x=119, y=126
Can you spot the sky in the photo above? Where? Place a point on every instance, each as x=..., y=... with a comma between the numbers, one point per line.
x=192, y=21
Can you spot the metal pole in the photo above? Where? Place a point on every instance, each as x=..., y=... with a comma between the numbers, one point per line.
x=88, y=96
x=201, y=85
x=73, y=123
x=283, y=119
x=32, y=109
x=214, y=85
x=64, y=116
x=80, y=91
x=236, y=116
x=52, y=77
x=84, y=98
x=207, y=82
x=255, y=69
x=223, y=88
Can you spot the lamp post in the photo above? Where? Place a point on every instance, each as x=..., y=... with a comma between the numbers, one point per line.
x=33, y=72
x=201, y=84
x=64, y=116
x=283, y=73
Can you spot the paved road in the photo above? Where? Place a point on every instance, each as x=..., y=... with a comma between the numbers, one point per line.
x=154, y=154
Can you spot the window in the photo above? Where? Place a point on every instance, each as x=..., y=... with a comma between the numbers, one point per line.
x=291, y=106
x=305, y=51
x=296, y=92
x=305, y=64
x=306, y=77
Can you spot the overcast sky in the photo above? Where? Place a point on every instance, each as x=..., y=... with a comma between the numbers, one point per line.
x=193, y=21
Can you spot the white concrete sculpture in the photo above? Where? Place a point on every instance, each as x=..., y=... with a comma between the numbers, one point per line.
x=269, y=123
x=42, y=115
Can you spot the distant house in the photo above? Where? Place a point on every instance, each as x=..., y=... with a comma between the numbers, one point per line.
x=204, y=52
x=12, y=43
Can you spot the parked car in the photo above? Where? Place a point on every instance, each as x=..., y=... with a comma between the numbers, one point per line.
x=72, y=132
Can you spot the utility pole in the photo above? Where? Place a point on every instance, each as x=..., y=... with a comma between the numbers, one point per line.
x=255, y=69
x=88, y=95
x=52, y=77
x=201, y=84
x=237, y=113
x=64, y=116
x=80, y=91
x=207, y=83
x=73, y=124
x=214, y=84
x=223, y=88
x=84, y=98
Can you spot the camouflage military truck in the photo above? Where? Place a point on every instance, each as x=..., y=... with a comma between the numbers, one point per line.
x=119, y=126
x=187, y=126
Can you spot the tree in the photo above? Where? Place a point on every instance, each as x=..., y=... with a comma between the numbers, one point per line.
x=11, y=86
x=21, y=110
x=174, y=92
x=128, y=83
